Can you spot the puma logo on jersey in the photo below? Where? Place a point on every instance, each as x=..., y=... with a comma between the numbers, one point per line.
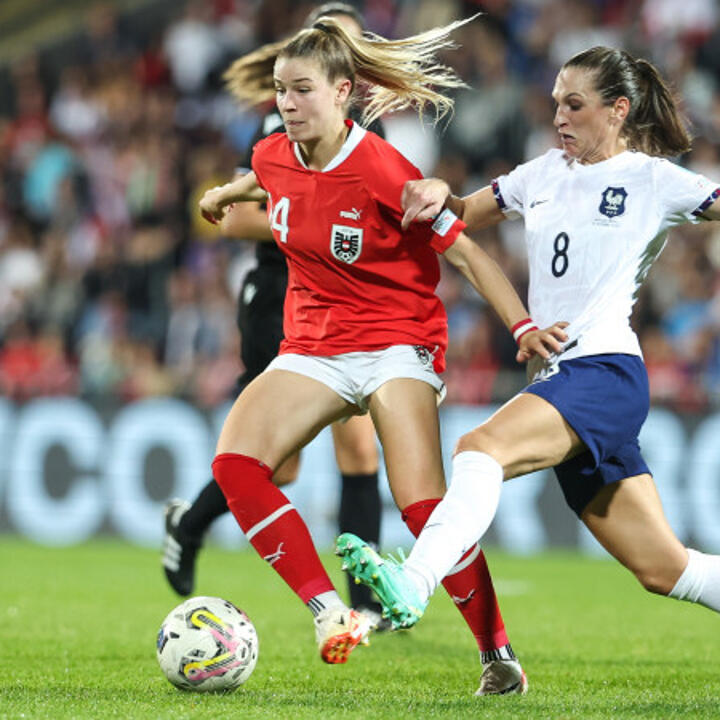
x=346, y=243
x=353, y=214
x=612, y=202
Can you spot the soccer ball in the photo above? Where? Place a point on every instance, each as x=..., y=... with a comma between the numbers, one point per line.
x=207, y=644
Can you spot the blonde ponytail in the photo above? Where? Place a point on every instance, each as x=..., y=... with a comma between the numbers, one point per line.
x=399, y=74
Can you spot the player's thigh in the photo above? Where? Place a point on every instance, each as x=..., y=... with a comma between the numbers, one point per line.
x=405, y=414
x=278, y=413
x=355, y=445
x=628, y=520
x=525, y=434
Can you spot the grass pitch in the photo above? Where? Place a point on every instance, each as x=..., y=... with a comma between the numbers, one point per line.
x=78, y=627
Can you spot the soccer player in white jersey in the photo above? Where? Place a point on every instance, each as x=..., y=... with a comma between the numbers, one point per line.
x=364, y=329
x=596, y=213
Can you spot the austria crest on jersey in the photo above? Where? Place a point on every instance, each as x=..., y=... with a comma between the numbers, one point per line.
x=612, y=202
x=346, y=243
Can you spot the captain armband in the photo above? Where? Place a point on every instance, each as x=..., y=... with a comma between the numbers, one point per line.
x=446, y=227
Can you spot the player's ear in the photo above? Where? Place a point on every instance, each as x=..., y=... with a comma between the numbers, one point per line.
x=620, y=109
x=343, y=90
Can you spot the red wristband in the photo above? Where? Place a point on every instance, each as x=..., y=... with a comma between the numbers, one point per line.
x=520, y=328
x=446, y=227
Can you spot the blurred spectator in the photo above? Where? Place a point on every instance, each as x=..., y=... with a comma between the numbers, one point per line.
x=22, y=272
x=192, y=47
x=34, y=363
x=112, y=285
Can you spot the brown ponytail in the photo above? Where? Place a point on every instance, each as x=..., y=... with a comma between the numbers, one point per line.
x=654, y=124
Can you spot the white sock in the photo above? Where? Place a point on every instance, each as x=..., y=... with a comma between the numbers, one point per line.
x=700, y=581
x=324, y=601
x=459, y=520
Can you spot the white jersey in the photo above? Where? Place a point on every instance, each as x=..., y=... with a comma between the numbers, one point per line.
x=592, y=232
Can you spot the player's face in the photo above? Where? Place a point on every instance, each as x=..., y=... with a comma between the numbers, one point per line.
x=312, y=107
x=589, y=130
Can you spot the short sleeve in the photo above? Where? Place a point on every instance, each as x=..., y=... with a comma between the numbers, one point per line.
x=256, y=162
x=683, y=195
x=387, y=186
x=511, y=191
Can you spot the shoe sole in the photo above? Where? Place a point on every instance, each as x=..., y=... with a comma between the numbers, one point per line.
x=337, y=649
x=367, y=567
x=519, y=688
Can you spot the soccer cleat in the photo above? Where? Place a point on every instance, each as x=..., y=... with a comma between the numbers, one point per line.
x=503, y=677
x=379, y=623
x=339, y=631
x=398, y=595
x=179, y=550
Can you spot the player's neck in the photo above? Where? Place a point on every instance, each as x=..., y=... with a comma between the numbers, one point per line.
x=318, y=153
x=604, y=152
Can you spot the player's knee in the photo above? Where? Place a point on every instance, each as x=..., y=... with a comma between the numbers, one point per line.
x=480, y=440
x=655, y=580
x=287, y=472
x=283, y=478
x=357, y=458
x=359, y=462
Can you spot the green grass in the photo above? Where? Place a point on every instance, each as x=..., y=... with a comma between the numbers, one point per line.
x=78, y=626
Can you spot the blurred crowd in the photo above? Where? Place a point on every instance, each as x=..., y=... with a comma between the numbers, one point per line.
x=112, y=286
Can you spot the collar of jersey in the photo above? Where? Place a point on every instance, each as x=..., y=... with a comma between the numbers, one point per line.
x=355, y=135
x=599, y=166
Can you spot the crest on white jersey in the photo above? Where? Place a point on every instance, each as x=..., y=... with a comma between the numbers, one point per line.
x=612, y=202
x=346, y=243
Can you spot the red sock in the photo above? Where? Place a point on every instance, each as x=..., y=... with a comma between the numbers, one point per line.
x=270, y=522
x=469, y=584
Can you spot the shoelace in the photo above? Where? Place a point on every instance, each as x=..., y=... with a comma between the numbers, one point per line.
x=400, y=554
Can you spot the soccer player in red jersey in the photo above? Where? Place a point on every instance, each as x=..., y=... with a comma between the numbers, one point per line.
x=364, y=329
x=260, y=321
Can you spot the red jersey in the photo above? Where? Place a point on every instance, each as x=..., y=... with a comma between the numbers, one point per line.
x=356, y=281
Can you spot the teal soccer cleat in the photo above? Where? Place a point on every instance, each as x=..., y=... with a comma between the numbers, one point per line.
x=386, y=577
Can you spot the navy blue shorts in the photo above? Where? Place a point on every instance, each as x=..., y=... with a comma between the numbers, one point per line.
x=605, y=399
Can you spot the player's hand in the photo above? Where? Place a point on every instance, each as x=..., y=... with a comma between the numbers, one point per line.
x=423, y=200
x=211, y=206
x=542, y=342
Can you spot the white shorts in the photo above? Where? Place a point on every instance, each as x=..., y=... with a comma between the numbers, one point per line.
x=354, y=376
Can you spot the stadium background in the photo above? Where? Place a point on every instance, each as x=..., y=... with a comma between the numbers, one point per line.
x=118, y=345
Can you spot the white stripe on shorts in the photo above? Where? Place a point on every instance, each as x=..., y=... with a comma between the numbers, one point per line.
x=255, y=529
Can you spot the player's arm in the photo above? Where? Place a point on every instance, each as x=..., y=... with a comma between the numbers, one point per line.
x=246, y=221
x=424, y=199
x=485, y=275
x=214, y=202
